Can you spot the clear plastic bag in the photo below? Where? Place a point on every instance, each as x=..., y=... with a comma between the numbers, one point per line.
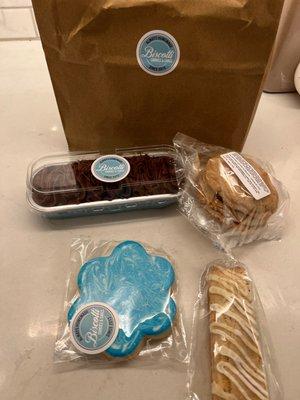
x=233, y=199
x=231, y=355
x=120, y=305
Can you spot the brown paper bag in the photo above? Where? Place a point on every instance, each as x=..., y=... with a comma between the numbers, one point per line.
x=134, y=72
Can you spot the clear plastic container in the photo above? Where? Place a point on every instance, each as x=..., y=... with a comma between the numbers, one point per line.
x=75, y=184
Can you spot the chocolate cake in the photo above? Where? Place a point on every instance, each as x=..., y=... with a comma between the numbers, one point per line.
x=74, y=183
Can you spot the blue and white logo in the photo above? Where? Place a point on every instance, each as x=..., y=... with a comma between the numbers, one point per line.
x=110, y=168
x=158, y=53
x=94, y=328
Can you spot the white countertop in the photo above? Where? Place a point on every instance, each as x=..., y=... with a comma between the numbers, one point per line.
x=34, y=252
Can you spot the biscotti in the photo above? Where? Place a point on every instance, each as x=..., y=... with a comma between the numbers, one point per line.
x=237, y=370
x=231, y=357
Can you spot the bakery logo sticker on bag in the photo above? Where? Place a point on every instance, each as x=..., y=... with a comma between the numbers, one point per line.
x=110, y=168
x=247, y=175
x=94, y=328
x=158, y=53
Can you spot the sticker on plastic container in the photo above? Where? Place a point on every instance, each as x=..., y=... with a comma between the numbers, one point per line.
x=94, y=328
x=110, y=168
x=247, y=174
x=158, y=53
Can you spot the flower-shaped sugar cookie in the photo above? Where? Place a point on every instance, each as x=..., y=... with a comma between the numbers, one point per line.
x=133, y=284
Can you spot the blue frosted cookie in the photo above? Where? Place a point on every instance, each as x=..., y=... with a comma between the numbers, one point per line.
x=137, y=286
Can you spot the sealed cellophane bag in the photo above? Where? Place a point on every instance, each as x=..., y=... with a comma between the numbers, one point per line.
x=231, y=353
x=232, y=198
x=120, y=305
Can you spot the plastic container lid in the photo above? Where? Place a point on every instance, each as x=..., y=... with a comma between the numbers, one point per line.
x=75, y=178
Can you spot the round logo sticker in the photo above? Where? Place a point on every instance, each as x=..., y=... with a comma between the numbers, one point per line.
x=110, y=168
x=158, y=53
x=94, y=328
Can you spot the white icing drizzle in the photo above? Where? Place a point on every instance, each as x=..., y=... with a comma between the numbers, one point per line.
x=228, y=338
x=241, y=305
x=236, y=363
x=222, y=365
x=237, y=333
x=228, y=283
x=225, y=351
x=232, y=273
x=245, y=303
x=244, y=324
